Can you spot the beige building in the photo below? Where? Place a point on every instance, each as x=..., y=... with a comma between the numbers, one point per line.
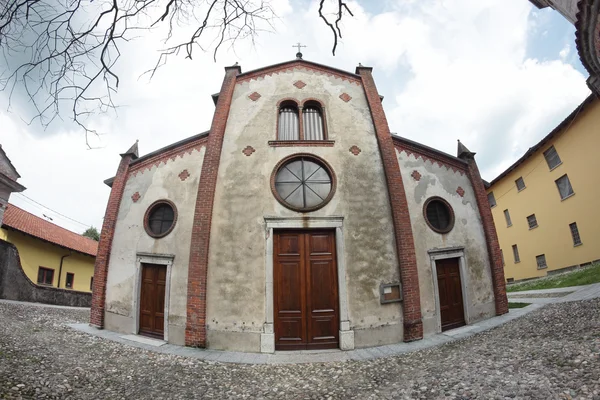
x=297, y=222
x=545, y=204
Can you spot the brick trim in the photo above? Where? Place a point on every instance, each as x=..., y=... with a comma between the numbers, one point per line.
x=405, y=246
x=195, y=330
x=300, y=65
x=105, y=244
x=169, y=155
x=434, y=158
x=491, y=237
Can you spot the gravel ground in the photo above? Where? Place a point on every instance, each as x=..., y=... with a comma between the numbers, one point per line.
x=552, y=353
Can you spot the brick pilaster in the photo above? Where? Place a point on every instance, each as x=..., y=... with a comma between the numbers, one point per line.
x=106, y=239
x=405, y=246
x=491, y=237
x=195, y=330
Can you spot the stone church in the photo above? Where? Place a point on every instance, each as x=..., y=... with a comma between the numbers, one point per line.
x=298, y=221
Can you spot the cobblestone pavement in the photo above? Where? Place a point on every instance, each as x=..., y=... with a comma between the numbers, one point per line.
x=551, y=353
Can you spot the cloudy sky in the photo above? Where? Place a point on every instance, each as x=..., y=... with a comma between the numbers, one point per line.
x=497, y=74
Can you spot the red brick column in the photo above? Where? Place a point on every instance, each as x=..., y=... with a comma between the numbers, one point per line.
x=195, y=330
x=405, y=246
x=491, y=237
x=106, y=239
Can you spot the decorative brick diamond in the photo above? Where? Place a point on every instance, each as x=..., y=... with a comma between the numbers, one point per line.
x=416, y=175
x=136, y=196
x=254, y=96
x=299, y=84
x=346, y=97
x=355, y=150
x=460, y=191
x=183, y=175
x=248, y=151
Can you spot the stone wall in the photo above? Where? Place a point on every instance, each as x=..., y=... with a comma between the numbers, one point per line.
x=15, y=285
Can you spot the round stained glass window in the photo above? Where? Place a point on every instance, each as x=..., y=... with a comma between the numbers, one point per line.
x=439, y=215
x=160, y=218
x=303, y=183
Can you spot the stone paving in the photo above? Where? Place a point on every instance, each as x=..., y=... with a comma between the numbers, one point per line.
x=552, y=352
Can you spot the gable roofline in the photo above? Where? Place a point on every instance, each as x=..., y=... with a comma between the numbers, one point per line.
x=172, y=146
x=449, y=157
x=9, y=162
x=532, y=150
x=255, y=73
x=17, y=219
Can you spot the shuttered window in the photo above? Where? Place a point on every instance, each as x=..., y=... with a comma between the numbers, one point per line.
x=288, y=123
x=541, y=261
x=575, y=234
x=564, y=187
x=552, y=158
x=516, y=253
x=507, y=217
x=520, y=184
x=491, y=199
x=312, y=121
x=532, y=221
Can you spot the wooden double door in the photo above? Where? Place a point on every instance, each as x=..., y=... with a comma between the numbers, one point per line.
x=450, y=293
x=152, y=300
x=305, y=290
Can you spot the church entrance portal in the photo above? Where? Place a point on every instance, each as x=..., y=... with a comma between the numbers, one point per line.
x=152, y=300
x=450, y=293
x=305, y=290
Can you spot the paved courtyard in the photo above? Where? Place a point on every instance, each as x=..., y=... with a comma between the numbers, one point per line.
x=550, y=353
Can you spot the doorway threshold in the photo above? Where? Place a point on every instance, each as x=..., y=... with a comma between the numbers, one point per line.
x=144, y=340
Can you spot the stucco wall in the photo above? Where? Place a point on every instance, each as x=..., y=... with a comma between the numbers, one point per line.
x=236, y=274
x=36, y=253
x=468, y=232
x=130, y=238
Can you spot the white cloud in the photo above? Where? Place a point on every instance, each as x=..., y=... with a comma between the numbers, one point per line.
x=448, y=69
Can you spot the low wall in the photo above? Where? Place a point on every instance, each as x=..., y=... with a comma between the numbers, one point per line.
x=15, y=285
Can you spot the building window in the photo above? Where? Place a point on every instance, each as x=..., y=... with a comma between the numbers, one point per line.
x=69, y=281
x=502, y=255
x=491, y=199
x=564, y=187
x=532, y=221
x=516, y=253
x=507, y=217
x=45, y=276
x=312, y=121
x=520, y=184
x=541, y=261
x=575, y=234
x=303, y=182
x=160, y=218
x=552, y=158
x=438, y=214
x=289, y=126
x=91, y=283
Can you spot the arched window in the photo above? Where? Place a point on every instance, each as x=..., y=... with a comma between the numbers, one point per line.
x=289, y=128
x=312, y=121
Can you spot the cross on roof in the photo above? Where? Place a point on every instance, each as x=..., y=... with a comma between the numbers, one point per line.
x=299, y=46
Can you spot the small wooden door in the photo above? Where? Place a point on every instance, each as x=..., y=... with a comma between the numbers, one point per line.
x=152, y=300
x=305, y=290
x=450, y=293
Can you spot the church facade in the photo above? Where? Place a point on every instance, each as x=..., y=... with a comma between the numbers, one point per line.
x=297, y=222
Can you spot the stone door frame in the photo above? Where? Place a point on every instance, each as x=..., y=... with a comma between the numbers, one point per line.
x=346, y=335
x=159, y=259
x=441, y=254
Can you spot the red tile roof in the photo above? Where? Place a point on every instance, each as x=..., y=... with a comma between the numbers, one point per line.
x=22, y=221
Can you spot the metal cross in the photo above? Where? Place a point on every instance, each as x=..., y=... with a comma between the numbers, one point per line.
x=299, y=47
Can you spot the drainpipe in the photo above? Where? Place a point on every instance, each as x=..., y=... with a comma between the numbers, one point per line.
x=60, y=268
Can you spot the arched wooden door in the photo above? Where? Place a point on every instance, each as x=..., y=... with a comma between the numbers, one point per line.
x=305, y=290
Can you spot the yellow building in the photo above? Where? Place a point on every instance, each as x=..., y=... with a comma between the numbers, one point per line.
x=545, y=205
x=50, y=255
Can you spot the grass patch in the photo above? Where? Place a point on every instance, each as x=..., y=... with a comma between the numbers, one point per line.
x=518, y=305
x=580, y=277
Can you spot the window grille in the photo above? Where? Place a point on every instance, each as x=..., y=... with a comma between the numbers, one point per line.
x=516, y=253
x=575, y=234
x=532, y=221
x=541, y=261
x=507, y=216
x=552, y=158
x=520, y=184
x=564, y=187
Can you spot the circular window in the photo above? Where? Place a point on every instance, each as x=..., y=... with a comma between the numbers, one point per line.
x=439, y=215
x=160, y=218
x=303, y=182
